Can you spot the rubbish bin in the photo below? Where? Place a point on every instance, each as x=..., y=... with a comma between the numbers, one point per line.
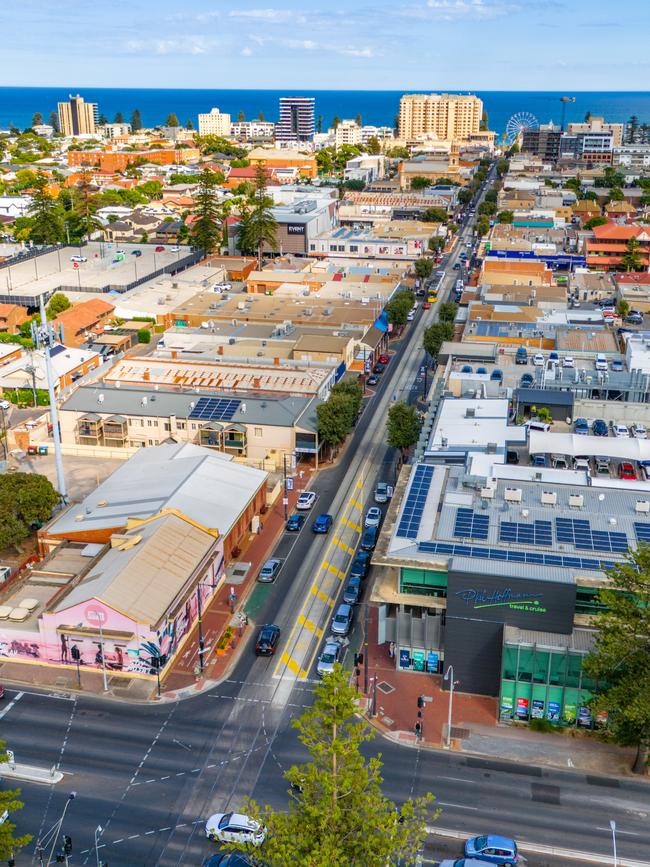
x=42, y=450
x=32, y=450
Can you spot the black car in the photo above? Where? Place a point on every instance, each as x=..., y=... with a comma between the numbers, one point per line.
x=379, y=367
x=267, y=640
x=360, y=565
x=372, y=379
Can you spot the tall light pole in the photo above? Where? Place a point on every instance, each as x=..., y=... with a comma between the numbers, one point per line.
x=98, y=832
x=449, y=675
x=46, y=340
x=101, y=645
x=612, y=825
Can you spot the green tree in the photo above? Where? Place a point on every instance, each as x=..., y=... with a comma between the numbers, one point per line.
x=351, y=390
x=403, y=426
x=487, y=208
x=26, y=501
x=261, y=117
x=358, y=120
x=54, y=121
x=610, y=178
x=505, y=217
x=574, y=184
x=172, y=120
x=436, y=244
x=616, y=195
x=420, y=183
x=435, y=335
x=214, y=144
x=340, y=818
x=136, y=120
x=620, y=660
x=434, y=215
x=484, y=120
x=58, y=303
x=336, y=120
x=9, y=803
x=631, y=259
x=595, y=221
x=258, y=226
x=334, y=419
x=502, y=167
x=447, y=311
x=206, y=230
x=373, y=145
x=37, y=118
x=623, y=307
x=325, y=161
x=241, y=117
x=465, y=196
x=189, y=124
x=144, y=335
x=482, y=225
x=491, y=195
x=398, y=153
x=119, y=117
x=423, y=268
x=590, y=196
x=397, y=309
x=46, y=218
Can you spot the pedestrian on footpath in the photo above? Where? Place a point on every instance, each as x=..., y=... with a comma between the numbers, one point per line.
x=391, y=650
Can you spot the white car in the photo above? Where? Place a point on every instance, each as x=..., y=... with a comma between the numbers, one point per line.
x=330, y=656
x=175, y=249
x=538, y=360
x=306, y=500
x=234, y=828
x=4, y=404
x=373, y=517
x=410, y=316
x=78, y=259
x=568, y=361
x=620, y=430
x=639, y=432
x=222, y=287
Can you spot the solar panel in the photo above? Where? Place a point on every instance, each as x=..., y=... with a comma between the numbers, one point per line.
x=534, y=558
x=215, y=408
x=578, y=532
x=409, y=524
x=642, y=532
x=471, y=525
x=537, y=533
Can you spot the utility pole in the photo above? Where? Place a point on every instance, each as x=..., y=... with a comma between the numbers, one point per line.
x=285, y=493
x=46, y=340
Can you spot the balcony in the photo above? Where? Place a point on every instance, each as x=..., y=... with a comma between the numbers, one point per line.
x=116, y=431
x=90, y=430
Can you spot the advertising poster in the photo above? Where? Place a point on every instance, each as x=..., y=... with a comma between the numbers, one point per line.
x=584, y=716
x=569, y=713
x=506, y=707
x=522, y=708
x=553, y=711
x=418, y=660
x=404, y=658
x=432, y=661
x=538, y=709
x=602, y=718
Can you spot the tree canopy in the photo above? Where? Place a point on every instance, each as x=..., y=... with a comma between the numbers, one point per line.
x=58, y=303
x=403, y=426
x=206, y=229
x=337, y=815
x=9, y=803
x=423, y=268
x=420, y=183
x=26, y=502
x=631, y=259
x=257, y=226
x=435, y=335
x=397, y=309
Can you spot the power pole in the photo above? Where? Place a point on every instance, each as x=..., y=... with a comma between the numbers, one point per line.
x=46, y=340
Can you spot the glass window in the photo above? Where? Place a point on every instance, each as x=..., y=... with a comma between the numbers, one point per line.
x=558, y=665
x=540, y=670
x=574, y=666
x=258, y=431
x=510, y=662
x=525, y=667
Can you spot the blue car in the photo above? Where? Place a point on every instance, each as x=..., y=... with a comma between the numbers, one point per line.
x=581, y=426
x=599, y=428
x=360, y=565
x=369, y=538
x=295, y=522
x=492, y=849
x=322, y=524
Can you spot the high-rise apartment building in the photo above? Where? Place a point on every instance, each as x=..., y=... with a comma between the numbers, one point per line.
x=78, y=117
x=296, y=118
x=214, y=122
x=348, y=132
x=598, y=125
x=449, y=116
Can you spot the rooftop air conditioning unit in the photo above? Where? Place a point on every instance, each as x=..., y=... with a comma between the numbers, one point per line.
x=470, y=412
x=100, y=398
x=549, y=498
x=143, y=402
x=576, y=501
x=488, y=493
x=513, y=495
x=642, y=506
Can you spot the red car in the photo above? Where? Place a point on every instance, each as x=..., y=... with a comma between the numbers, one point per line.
x=160, y=249
x=627, y=472
x=426, y=305
x=384, y=359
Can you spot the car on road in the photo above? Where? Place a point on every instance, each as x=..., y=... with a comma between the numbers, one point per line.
x=626, y=471
x=234, y=828
x=521, y=355
x=526, y=380
x=227, y=859
x=342, y=620
x=267, y=640
x=382, y=492
x=373, y=517
x=426, y=305
x=617, y=365
x=461, y=862
x=159, y=249
x=456, y=266
x=383, y=358
x=4, y=404
x=78, y=259
x=360, y=565
x=620, y=430
x=369, y=538
x=379, y=368
x=322, y=524
x=581, y=426
x=269, y=571
x=295, y=522
x=136, y=253
x=568, y=361
x=330, y=655
x=410, y=316
x=352, y=592
x=599, y=428
x=639, y=431
x=538, y=359
x=306, y=500
x=372, y=379
x=492, y=849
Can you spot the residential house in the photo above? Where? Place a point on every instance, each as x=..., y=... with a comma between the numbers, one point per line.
x=78, y=320
x=12, y=316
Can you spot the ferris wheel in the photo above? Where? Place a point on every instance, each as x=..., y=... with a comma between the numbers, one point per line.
x=518, y=124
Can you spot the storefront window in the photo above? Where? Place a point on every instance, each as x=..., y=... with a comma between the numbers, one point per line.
x=510, y=662
x=423, y=582
x=574, y=665
x=558, y=665
x=525, y=667
x=540, y=671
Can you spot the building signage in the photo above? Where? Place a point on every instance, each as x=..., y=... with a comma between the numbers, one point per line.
x=418, y=660
x=404, y=658
x=295, y=228
x=432, y=661
x=553, y=711
x=584, y=717
x=522, y=708
x=477, y=598
x=538, y=709
x=506, y=707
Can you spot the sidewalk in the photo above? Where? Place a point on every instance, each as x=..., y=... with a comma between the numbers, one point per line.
x=475, y=729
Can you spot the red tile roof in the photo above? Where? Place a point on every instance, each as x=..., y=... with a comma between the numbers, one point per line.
x=614, y=231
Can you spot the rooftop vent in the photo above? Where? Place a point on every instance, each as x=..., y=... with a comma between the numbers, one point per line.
x=470, y=412
x=576, y=501
x=487, y=493
x=642, y=506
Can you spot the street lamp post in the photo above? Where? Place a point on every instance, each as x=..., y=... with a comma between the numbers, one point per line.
x=612, y=825
x=285, y=493
x=199, y=620
x=101, y=649
x=449, y=675
x=98, y=832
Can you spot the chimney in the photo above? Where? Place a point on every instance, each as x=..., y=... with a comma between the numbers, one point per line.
x=276, y=362
x=146, y=376
x=174, y=353
x=220, y=349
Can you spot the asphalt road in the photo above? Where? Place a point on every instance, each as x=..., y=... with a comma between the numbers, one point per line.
x=149, y=776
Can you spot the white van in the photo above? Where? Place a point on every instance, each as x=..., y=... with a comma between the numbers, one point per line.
x=601, y=362
x=542, y=426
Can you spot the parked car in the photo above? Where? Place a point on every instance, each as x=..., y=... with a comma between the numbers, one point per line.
x=269, y=571
x=234, y=828
x=626, y=471
x=226, y=859
x=295, y=522
x=360, y=565
x=482, y=371
x=372, y=379
x=78, y=259
x=634, y=319
x=496, y=375
x=467, y=368
x=306, y=500
x=601, y=363
x=5, y=404
x=581, y=426
x=538, y=359
x=369, y=538
x=342, y=620
x=267, y=640
x=607, y=302
x=322, y=524
x=581, y=463
x=602, y=465
x=539, y=460
x=373, y=517
x=568, y=361
x=617, y=365
x=639, y=431
x=512, y=457
x=553, y=357
x=493, y=849
x=159, y=249
x=136, y=253
x=526, y=380
x=352, y=592
x=383, y=358
x=461, y=862
x=599, y=428
x=620, y=430
x=644, y=466
x=330, y=655
x=383, y=492
x=379, y=368
x=175, y=249
x=521, y=355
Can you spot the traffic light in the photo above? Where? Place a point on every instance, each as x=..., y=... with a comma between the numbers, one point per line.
x=67, y=844
x=420, y=702
x=358, y=659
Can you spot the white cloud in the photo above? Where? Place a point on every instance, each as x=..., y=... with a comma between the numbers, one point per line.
x=192, y=45
x=450, y=10
x=246, y=52
x=356, y=52
x=269, y=16
x=305, y=44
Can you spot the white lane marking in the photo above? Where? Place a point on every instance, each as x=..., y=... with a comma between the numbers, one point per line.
x=457, y=779
x=11, y=704
x=457, y=806
x=618, y=831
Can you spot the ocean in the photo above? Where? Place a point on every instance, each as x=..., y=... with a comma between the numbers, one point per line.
x=377, y=107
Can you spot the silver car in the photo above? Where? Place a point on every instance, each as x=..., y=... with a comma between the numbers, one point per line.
x=342, y=620
x=269, y=571
x=373, y=517
x=329, y=657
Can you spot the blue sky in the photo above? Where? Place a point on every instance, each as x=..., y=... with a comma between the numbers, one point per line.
x=322, y=44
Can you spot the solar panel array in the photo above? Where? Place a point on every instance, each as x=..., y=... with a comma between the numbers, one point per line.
x=578, y=532
x=537, y=533
x=414, y=506
x=471, y=525
x=534, y=558
x=642, y=532
x=215, y=408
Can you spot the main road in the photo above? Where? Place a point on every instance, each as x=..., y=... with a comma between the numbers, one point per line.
x=146, y=777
